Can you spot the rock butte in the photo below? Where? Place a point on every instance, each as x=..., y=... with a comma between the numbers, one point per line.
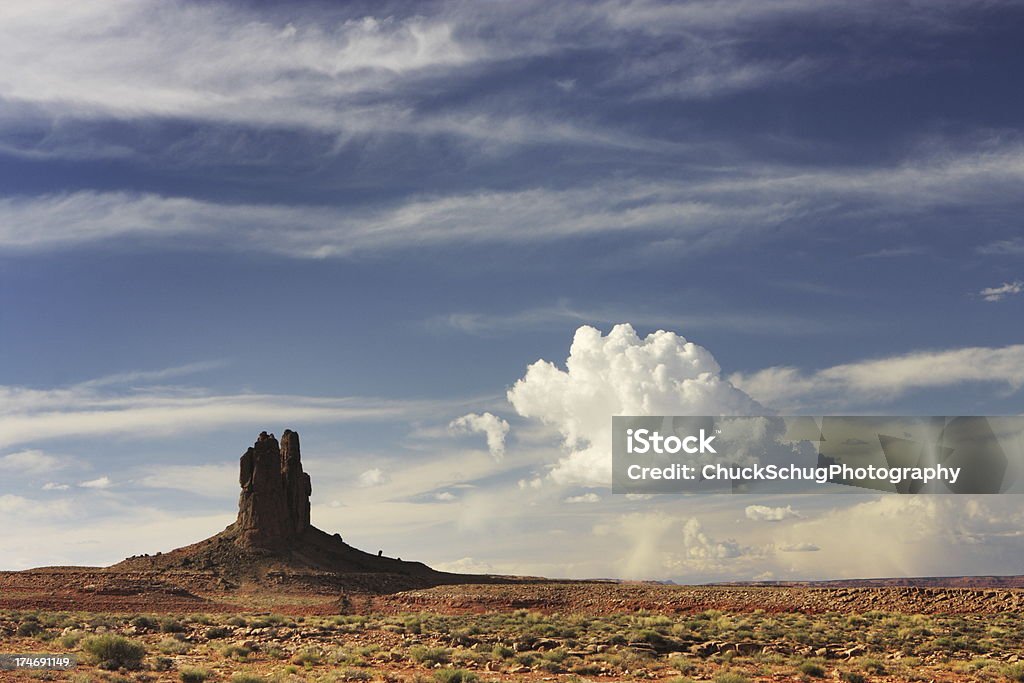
x=273, y=508
x=273, y=540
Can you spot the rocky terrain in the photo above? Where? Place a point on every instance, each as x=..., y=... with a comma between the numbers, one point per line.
x=273, y=598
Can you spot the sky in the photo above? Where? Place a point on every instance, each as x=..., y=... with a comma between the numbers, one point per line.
x=446, y=241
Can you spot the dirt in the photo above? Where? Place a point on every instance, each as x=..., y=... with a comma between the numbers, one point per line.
x=109, y=590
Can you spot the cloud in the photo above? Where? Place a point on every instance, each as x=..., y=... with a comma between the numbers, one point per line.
x=234, y=66
x=543, y=317
x=100, y=408
x=372, y=477
x=11, y=503
x=536, y=215
x=696, y=215
x=884, y=379
x=1008, y=247
x=465, y=565
x=897, y=252
x=923, y=536
x=494, y=427
x=799, y=548
x=700, y=547
x=1002, y=291
x=97, y=541
x=334, y=69
x=151, y=376
x=30, y=462
x=763, y=513
x=445, y=497
x=212, y=481
x=620, y=374
x=32, y=510
x=584, y=498
x=55, y=486
x=100, y=483
x=657, y=546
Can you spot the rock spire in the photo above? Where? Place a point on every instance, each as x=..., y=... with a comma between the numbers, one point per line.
x=273, y=508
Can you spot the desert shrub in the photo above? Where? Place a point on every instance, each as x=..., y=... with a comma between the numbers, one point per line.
x=430, y=656
x=247, y=678
x=454, y=676
x=163, y=664
x=356, y=675
x=72, y=639
x=500, y=651
x=853, y=677
x=27, y=629
x=277, y=653
x=172, y=646
x=308, y=657
x=114, y=652
x=873, y=666
x=235, y=652
x=215, y=632
x=731, y=677
x=812, y=669
x=144, y=623
x=1015, y=672
x=586, y=669
x=171, y=625
x=463, y=657
x=683, y=664
x=649, y=636
x=193, y=675
x=526, y=658
x=236, y=621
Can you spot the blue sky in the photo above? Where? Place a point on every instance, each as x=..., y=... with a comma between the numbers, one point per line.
x=363, y=221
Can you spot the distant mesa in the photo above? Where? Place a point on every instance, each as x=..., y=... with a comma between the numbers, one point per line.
x=273, y=540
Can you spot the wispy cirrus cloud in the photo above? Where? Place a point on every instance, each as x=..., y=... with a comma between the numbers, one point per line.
x=31, y=462
x=702, y=214
x=542, y=317
x=356, y=74
x=1007, y=247
x=884, y=379
x=1002, y=291
x=96, y=408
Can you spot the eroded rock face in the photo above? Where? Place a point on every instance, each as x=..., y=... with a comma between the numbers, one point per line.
x=273, y=508
x=296, y=482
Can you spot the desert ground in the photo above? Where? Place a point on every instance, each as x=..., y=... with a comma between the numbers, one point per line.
x=274, y=599
x=189, y=626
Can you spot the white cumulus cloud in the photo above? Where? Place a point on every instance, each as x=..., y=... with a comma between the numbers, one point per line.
x=620, y=374
x=372, y=477
x=495, y=428
x=99, y=483
x=585, y=498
